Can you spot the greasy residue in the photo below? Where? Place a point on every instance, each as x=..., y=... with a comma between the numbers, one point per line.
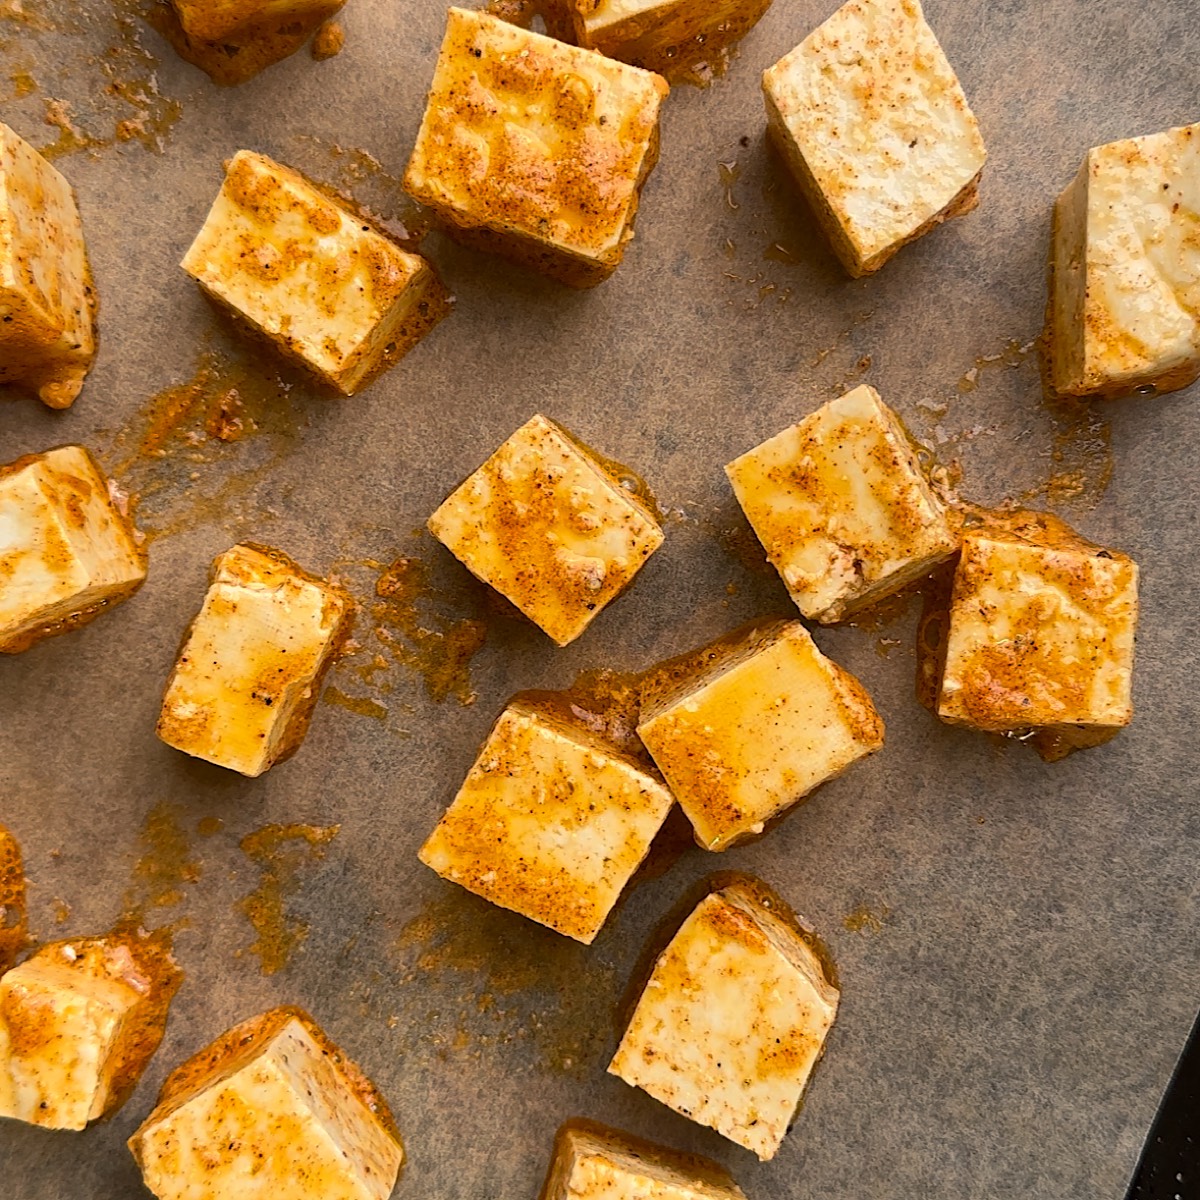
x=281, y=853
x=439, y=648
x=866, y=920
x=164, y=862
x=360, y=705
x=232, y=393
x=95, y=100
x=488, y=978
x=362, y=181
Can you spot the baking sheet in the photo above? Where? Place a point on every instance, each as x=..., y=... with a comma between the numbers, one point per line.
x=1017, y=941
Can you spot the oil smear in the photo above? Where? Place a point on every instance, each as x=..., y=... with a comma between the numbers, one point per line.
x=281, y=853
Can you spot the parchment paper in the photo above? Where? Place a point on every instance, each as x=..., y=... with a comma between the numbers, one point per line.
x=1017, y=941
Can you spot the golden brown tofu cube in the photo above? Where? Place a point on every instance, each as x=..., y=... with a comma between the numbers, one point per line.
x=272, y=1110
x=592, y=1162
x=305, y=272
x=14, y=930
x=79, y=1022
x=47, y=303
x=842, y=507
x=1126, y=268
x=67, y=551
x=733, y=1019
x=547, y=524
x=551, y=823
x=243, y=690
x=1041, y=632
x=874, y=125
x=660, y=35
x=233, y=40
x=535, y=149
x=751, y=725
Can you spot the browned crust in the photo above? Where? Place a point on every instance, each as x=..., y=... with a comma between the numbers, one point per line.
x=14, y=928
x=245, y=52
x=239, y=1045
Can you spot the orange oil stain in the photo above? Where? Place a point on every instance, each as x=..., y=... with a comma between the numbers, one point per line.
x=164, y=865
x=281, y=852
x=359, y=705
x=866, y=920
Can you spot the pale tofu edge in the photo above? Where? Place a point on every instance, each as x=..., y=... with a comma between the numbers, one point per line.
x=242, y=691
x=727, y=1031
x=548, y=825
x=289, y=1109
x=68, y=1027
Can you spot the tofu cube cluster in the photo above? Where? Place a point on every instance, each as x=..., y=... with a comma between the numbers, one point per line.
x=1125, y=304
x=1041, y=633
x=272, y=1110
x=233, y=40
x=842, y=507
x=47, y=302
x=14, y=929
x=79, y=1022
x=873, y=123
x=311, y=276
x=733, y=1019
x=67, y=551
x=660, y=35
x=751, y=725
x=591, y=1162
x=551, y=822
x=249, y=675
x=551, y=526
x=535, y=149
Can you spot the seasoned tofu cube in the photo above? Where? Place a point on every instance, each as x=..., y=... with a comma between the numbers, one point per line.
x=842, y=507
x=48, y=305
x=311, y=276
x=14, y=929
x=748, y=726
x=551, y=526
x=551, y=822
x=733, y=1019
x=661, y=35
x=1041, y=633
x=1125, y=311
x=272, y=1110
x=79, y=1022
x=535, y=149
x=873, y=123
x=249, y=674
x=594, y=1163
x=233, y=40
x=67, y=551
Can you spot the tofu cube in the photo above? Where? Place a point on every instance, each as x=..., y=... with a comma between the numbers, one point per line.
x=842, y=507
x=660, y=35
x=551, y=822
x=272, y=1110
x=873, y=124
x=14, y=929
x=594, y=1163
x=750, y=725
x=551, y=526
x=79, y=1022
x=309, y=275
x=249, y=674
x=1041, y=633
x=535, y=149
x=67, y=552
x=233, y=40
x=1125, y=312
x=732, y=1021
x=47, y=302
